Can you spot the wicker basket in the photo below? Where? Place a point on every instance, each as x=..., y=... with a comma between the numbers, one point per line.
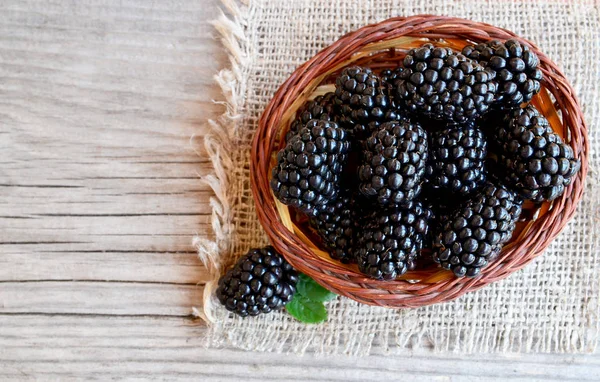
x=383, y=45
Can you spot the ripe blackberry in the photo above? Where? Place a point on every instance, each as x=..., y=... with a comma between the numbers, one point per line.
x=445, y=85
x=456, y=159
x=535, y=160
x=393, y=163
x=516, y=68
x=261, y=281
x=475, y=233
x=308, y=168
x=389, y=241
x=321, y=107
x=335, y=224
x=363, y=101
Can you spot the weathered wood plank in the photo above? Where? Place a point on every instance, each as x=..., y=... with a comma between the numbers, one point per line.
x=114, y=298
x=118, y=232
x=171, y=348
x=168, y=267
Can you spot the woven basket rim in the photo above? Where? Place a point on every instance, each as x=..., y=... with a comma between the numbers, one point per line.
x=366, y=44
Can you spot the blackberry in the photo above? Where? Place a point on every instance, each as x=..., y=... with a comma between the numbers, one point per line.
x=535, y=160
x=516, y=68
x=335, y=224
x=444, y=85
x=308, y=168
x=389, y=241
x=393, y=163
x=363, y=101
x=321, y=107
x=261, y=281
x=474, y=234
x=456, y=159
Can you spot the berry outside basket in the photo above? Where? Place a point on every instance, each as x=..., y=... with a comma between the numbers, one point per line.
x=380, y=46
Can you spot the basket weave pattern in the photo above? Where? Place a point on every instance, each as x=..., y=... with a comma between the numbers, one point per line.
x=383, y=45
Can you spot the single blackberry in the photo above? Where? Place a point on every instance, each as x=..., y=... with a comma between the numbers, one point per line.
x=456, y=159
x=336, y=225
x=474, y=234
x=516, y=68
x=444, y=85
x=321, y=107
x=389, y=241
x=393, y=163
x=535, y=160
x=261, y=281
x=308, y=168
x=363, y=101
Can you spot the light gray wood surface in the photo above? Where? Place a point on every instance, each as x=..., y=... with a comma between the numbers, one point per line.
x=102, y=111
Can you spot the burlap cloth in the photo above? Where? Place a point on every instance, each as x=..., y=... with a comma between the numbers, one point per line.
x=551, y=306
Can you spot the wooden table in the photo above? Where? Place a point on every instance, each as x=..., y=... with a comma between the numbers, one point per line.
x=103, y=106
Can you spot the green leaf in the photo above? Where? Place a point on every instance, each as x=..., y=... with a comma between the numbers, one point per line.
x=307, y=311
x=309, y=288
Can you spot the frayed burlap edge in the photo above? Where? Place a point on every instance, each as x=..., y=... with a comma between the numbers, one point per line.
x=219, y=143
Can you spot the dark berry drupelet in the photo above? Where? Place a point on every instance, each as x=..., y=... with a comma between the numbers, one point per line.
x=393, y=163
x=308, y=168
x=534, y=159
x=336, y=225
x=390, y=76
x=516, y=68
x=261, y=281
x=475, y=232
x=389, y=241
x=457, y=159
x=321, y=107
x=442, y=84
x=363, y=101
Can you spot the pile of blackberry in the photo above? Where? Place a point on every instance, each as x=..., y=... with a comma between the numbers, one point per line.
x=439, y=153
x=425, y=134
x=444, y=150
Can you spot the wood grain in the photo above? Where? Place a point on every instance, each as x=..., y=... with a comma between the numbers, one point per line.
x=104, y=347
x=99, y=175
x=102, y=111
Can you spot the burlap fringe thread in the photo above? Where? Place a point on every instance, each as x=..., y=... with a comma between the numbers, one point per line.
x=218, y=145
